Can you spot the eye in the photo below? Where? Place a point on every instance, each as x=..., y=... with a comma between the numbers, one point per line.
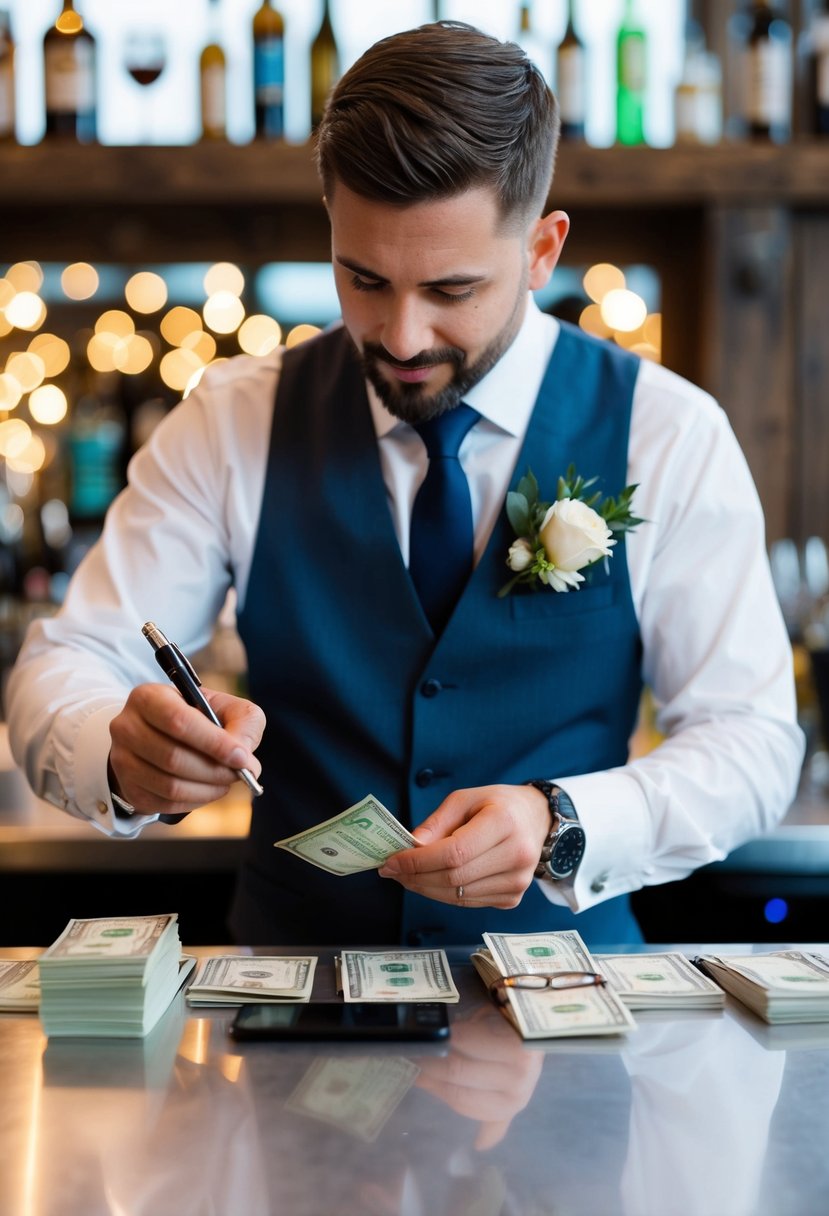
x=452, y=297
x=360, y=284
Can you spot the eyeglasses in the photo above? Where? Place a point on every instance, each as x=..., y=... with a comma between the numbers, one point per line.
x=499, y=990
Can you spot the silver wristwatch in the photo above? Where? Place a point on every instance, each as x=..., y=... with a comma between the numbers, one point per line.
x=564, y=847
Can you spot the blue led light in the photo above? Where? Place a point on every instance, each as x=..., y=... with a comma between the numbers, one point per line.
x=775, y=911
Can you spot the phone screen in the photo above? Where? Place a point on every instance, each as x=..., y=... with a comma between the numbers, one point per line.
x=338, y=1020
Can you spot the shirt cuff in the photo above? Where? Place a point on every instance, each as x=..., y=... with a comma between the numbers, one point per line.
x=92, y=793
x=613, y=812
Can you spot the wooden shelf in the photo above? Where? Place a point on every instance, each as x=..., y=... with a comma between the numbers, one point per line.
x=232, y=175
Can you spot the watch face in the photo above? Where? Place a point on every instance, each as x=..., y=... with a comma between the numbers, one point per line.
x=568, y=851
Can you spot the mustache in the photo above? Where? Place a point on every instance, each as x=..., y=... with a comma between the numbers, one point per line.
x=426, y=358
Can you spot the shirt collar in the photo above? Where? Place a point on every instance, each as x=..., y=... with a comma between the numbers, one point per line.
x=507, y=394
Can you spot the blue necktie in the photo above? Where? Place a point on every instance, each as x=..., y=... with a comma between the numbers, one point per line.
x=441, y=535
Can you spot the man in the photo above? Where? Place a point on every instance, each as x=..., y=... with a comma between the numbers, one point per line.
x=383, y=656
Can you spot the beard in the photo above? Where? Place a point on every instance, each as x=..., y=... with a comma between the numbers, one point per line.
x=413, y=403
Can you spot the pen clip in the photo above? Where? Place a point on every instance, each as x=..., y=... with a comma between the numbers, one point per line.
x=188, y=666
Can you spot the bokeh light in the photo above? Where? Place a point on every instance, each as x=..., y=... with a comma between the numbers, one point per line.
x=259, y=335
x=48, y=404
x=623, y=309
x=79, y=281
x=301, y=333
x=146, y=292
x=223, y=312
x=224, y=276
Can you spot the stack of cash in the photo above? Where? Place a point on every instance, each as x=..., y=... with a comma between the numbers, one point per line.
x=784, y=986
x=232, y=979
x=551, y=1013
x=112, y=976
x=659, y=981
x=381, y=976
x=19, y=986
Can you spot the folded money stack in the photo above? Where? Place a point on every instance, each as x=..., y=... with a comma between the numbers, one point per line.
x=112, y=976
x=381, y=976
x=19, y=986
x=550, y=1013
x=232, y=979
x=659, y=981
x=783, y=986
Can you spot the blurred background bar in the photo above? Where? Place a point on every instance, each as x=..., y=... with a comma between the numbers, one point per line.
x=159, y=211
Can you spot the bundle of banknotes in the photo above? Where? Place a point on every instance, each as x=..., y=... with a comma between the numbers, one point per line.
x=659, y=981
x=232, y=979
x=381, y=976
x=782, y=986
x=111, y=976
x=19, y=986
x=550, y=1013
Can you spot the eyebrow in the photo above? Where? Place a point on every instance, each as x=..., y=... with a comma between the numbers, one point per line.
x=452, y=280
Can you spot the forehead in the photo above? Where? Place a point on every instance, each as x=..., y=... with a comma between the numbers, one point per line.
x=442, y=236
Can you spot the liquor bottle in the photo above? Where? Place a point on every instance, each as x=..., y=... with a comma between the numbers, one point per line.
x=535, y=47
x=698, y=96
x=766, y=74
x=213, y=82
x=817, y=72
x=269, y=71
x=69, y=70
x=571, y=80
x=325, y=66
x=6, y=80
x=631, y=77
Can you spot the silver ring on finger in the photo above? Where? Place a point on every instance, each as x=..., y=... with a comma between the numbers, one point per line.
x=459, y=893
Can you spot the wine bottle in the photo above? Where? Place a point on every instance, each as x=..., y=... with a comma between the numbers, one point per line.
x=766, y=73
x=535, y=47
x=817, y=75
x=698, y=96
x=69, y=70
x=571, y=80
x=213, y=82
x=631, y=76
x=269, y=71
x=6, y=80
x=325, y=66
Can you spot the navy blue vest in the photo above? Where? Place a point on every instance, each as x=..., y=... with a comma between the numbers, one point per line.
x=359, y=695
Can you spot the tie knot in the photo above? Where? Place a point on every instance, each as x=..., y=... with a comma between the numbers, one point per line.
x=444, y=435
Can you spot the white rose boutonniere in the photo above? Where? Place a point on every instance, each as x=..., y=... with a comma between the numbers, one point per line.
x=558, y=540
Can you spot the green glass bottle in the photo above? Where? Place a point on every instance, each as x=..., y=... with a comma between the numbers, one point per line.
x=631, y=77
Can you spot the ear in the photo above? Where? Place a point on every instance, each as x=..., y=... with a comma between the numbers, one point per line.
x=544, y=245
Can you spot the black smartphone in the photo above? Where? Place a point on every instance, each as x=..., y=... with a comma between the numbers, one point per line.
x=421, y=1021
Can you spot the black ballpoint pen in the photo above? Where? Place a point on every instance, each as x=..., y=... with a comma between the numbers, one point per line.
x=179, y=670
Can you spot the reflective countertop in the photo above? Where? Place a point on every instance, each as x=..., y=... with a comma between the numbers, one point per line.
x=709, y=1113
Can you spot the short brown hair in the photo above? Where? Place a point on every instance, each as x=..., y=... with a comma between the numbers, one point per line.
x=436, y=111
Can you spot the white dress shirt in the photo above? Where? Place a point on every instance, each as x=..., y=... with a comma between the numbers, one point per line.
x=716, y=654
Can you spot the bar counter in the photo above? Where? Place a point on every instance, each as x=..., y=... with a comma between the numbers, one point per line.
x=710, y=1113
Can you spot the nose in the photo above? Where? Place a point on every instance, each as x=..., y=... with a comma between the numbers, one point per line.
x=406, y=329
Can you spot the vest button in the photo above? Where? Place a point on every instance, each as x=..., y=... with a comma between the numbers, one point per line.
x=431, y=688
x=424, y=777
x=415, y=938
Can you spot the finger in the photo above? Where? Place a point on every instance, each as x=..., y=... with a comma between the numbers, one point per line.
x=490, y=1134
x=241, y=718
x=163, y=708
x=459, y=854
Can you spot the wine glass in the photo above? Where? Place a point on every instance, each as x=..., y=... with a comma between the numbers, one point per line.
x=145, y=56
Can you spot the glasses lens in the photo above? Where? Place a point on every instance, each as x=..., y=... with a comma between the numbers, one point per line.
x=576, y=979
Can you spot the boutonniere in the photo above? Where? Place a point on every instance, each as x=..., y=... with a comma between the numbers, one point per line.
x=557, y=540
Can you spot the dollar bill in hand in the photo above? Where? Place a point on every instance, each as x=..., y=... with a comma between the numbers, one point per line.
x=782, y=986
x=551, y=1013
x=659, y=981
x=232, y=979
x=383, y=976
x=362, y=837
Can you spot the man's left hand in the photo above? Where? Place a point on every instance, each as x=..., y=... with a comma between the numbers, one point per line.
x=487, y=840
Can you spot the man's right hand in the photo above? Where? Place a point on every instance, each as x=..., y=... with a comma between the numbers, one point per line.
x=168, y=758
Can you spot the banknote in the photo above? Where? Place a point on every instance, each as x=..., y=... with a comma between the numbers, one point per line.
x=552, y=1013
x=659, y=981
x=397, y=975
x=359, y=838
x=780, y=986
x=128, y=939
x=354, y=1093
x=19, y=985
x=232, y=979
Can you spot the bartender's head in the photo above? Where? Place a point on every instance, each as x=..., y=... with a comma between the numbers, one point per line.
x=436, y=154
